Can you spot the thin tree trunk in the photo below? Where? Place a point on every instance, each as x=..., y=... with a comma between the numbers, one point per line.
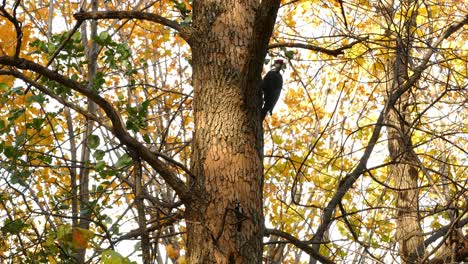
x=85, y=210
x=139, y=201
x=72, y=168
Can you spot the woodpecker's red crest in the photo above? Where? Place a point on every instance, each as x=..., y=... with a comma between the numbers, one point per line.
x=279, y=64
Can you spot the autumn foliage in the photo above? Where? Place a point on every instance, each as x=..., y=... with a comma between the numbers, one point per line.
x=97, y=117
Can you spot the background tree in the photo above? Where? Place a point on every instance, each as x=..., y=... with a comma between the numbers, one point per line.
x=405, y=170
x=126, y=120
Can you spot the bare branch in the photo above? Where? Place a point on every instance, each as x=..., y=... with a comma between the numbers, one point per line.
x=331, y=52
x=343, y=13
x=157, y=225
x=298, y=243
x=184, y=31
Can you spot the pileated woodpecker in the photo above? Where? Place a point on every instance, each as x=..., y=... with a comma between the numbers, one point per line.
x=271, y=85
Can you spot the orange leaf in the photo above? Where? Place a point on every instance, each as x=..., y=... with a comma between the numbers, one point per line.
x=172, y=252
x=81, y=237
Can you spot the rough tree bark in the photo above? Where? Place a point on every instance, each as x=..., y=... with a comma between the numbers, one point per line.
x=229, y=45
x=404, y=171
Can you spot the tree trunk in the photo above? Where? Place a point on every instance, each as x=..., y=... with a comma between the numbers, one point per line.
x=225, y=217
x=84, y=193
x=405, y=174
x=404, y=171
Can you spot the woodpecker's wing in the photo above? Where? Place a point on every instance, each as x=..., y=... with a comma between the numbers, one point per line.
x=271, y=85
x=272, y=81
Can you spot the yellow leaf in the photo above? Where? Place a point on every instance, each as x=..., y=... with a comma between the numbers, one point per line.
x=51, y=259
x=182, y=260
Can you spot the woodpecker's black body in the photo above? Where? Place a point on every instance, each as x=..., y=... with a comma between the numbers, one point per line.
x=271, y=86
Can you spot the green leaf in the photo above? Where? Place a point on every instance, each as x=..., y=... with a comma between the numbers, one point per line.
x=289, y=54
x=20, y=177
x=37, y=123
x=100, y=165
x=187, y=21
x=3, y=196
x=99, y=188
x=64, y=233
x=63, y=206
x=124, y=161
x=115, y=229
x=131, y=125
x=76, y=37
x=99, y=154
x=144, y=107
x=18, y=90
x=108, y=220
x=2, y=125
x=13, y=227
x=147, y=138
x=104, y=36
x=98, y=81
x=45, y=159
x=10, y=152
x=93, y=141
x=20, y=139
x=39, y=98
x=4, y=86
x=16, y=113
x=111, y=257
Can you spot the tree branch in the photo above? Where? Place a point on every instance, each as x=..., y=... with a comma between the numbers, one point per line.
x=16, y=24
x=332, y=52
x=443, y=230
x=438, y=234
x=118, y=127
x=264, y=24
x=298, y=243
x=157, y=225
x=184, y=31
